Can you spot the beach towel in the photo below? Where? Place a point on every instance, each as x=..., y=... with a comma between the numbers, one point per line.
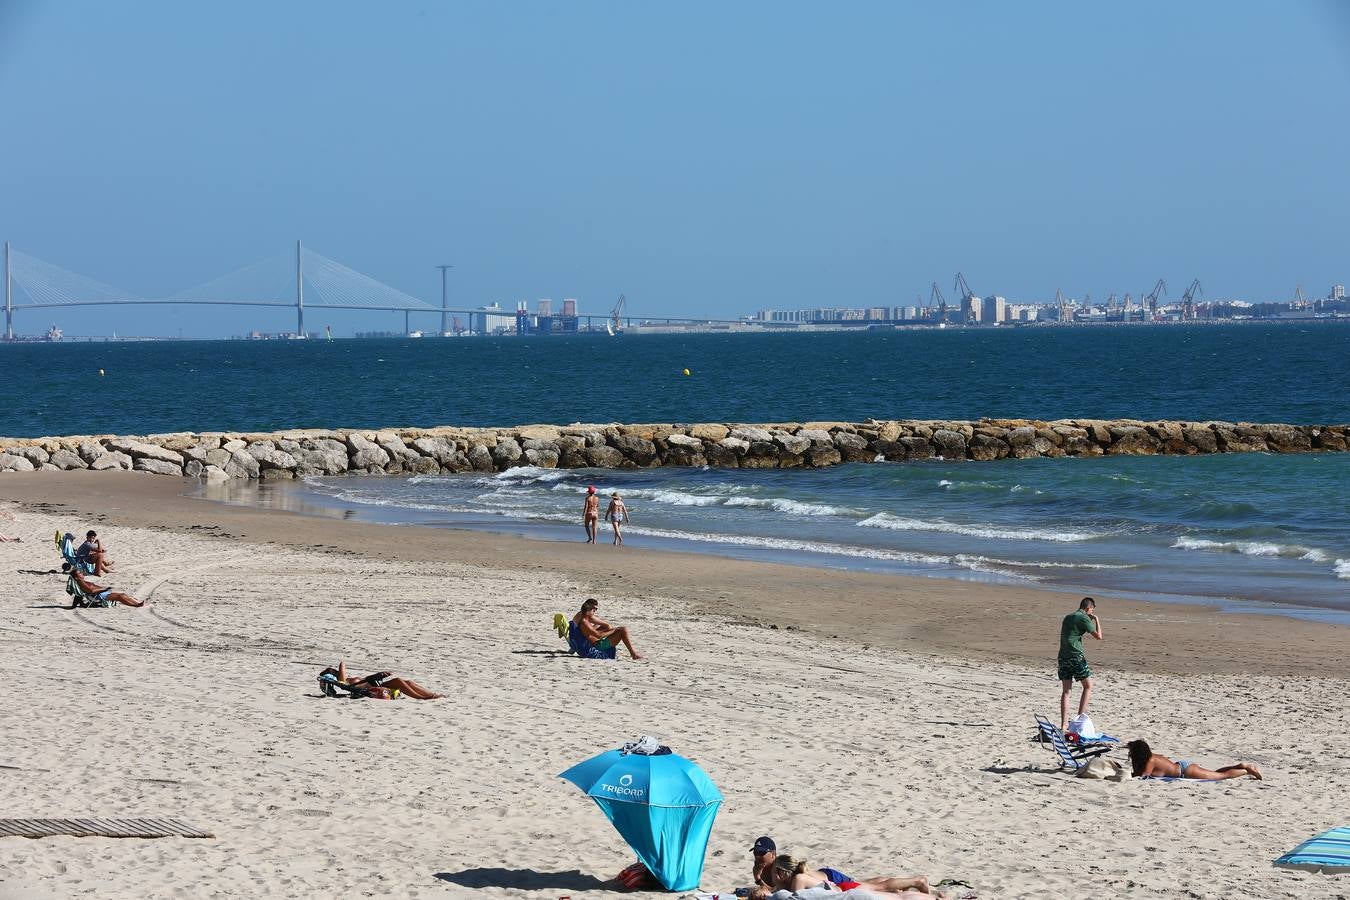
x=560, y=625
x=1328, y=853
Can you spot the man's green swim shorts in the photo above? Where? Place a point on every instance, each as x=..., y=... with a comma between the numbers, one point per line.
x=1074, y=667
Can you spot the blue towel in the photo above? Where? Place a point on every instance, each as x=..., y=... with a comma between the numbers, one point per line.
x=584, y=648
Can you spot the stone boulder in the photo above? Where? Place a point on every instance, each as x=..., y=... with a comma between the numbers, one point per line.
x=142, y=450
x=33, y=453
x=507, y=453
x=1239, y=439
x=270, y=457
x=711, y=433
x=215, y=475
x=1201, y=438
x=1132, y=440
x=545, y=457
x=158, y=466
x=722, y=456
x=364, y=453
x=640, y=451
x=1286, y=438
x=424, y=465
x=110, y=460
x=984, y=447
x=917, y=447
x=480, y=458
x=606, y=457
x=853, y=447
x=11, y=462
x=891, y=451
x=818, y=437
x=193, y=468
x=90, y=451
x=67, y=460
x=793, y=444
x=751, y=435
x=820, y=457
x=949, y=444
x=436, y=448
x=241, y=465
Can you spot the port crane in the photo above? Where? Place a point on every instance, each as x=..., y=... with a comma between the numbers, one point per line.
x=968, y=298
x=1061, y=304
x=616, y=313
x=1111, y=301
x=936, y=295
x=1188, y=299
x=1152, y=297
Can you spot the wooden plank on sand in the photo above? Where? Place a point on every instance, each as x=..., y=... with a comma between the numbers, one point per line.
x=119, y=828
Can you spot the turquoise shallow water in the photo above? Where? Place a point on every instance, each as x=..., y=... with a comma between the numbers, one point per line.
x=1253, y=528
x=1257, y=529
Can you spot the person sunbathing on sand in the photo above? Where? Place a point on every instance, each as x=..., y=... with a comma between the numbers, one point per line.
x=381, y=685
x=598, y=631
x=98, y=592
x=789, y=874
x=1146, y=763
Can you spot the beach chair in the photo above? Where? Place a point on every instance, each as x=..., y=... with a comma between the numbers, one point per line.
x=82, y=599
x=584, y=648
x=65, y=543
x=1072, y=755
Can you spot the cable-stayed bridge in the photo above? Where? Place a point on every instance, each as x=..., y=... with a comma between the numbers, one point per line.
x=298, y=280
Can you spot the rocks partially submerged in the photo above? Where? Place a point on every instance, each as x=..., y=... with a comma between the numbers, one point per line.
x=295, y=454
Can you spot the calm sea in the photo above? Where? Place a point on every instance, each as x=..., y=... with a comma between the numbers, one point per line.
x=1255, y=530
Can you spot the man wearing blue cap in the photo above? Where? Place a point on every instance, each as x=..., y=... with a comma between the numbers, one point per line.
x=765, y=852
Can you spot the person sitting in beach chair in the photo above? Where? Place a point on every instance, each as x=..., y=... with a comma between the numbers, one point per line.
x=85, y=593
x=591, y=637
x=377, y=686
x=1147, y=764
x=92, y=554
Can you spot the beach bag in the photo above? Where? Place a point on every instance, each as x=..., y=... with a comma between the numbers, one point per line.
x=637, y=878
x=1106, y=769
x=1082, y=726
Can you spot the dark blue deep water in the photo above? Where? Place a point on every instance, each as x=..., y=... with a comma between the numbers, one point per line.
x=1280, y=373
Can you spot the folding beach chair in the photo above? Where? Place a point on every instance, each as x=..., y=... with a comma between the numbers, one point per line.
x=1072, y=755
x=82, y=599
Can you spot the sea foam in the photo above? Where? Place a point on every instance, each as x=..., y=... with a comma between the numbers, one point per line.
x=993, y=532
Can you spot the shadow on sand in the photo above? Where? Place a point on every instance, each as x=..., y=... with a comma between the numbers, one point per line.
x=528, y=880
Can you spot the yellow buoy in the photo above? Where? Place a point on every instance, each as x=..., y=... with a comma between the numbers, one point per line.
x=686, y=371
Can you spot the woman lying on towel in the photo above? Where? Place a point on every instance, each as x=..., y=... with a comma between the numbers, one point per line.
x=1148, y=764
x=788, y=874
x=379, y=686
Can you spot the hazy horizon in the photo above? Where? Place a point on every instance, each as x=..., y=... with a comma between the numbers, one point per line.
x=705, y=160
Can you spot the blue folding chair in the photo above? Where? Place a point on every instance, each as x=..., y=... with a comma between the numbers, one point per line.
x=1073, y=756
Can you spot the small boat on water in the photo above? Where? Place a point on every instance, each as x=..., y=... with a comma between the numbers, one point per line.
x=54, y=333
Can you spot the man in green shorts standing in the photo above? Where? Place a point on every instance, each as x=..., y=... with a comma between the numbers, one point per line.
x=1073, y=665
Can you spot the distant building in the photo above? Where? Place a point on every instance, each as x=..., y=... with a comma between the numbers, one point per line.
x=569, y=306
x=970, y=308
x=545, y=307
x=876, y=314
x=1338, y=292
x=995, y=309
x=908, y=313
x=491, y=320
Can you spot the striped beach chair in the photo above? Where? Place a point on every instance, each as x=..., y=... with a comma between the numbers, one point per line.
x=1072, y=756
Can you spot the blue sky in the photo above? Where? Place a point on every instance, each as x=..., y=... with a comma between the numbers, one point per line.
x=701, y=158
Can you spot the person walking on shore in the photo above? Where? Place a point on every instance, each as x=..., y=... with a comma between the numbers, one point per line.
x=1073, y=665
x=590, y=514
x=616, y=514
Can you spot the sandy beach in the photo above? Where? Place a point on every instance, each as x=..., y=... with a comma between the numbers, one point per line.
x=874, y=723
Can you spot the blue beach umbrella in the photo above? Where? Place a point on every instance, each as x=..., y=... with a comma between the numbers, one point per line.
x=663, y=805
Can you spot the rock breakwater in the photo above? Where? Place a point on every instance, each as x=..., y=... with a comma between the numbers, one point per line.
x=295, y=454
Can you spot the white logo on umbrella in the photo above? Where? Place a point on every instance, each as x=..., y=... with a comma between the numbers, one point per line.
x=626, y=780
